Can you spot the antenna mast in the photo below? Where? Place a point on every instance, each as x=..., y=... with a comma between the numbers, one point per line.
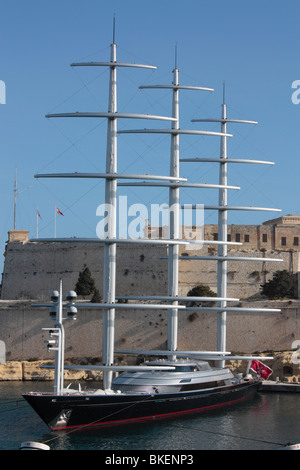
x=15, y=197
x=114, y=30
x=15, y=201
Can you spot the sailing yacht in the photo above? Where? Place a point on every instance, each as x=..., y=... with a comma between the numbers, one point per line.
x=170, y=382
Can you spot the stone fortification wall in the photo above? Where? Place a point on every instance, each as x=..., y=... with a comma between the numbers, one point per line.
x=21, y=330
x=33, y=269
x=244, y=278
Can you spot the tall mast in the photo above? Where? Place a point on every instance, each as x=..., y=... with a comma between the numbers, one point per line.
x=222, y=235
x=109, y=273
x=174, y=211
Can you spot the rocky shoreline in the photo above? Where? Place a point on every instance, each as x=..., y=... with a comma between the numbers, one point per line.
x=284, y=367
x=31, y=370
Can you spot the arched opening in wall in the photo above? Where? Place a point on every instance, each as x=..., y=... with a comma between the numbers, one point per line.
x=287, y=371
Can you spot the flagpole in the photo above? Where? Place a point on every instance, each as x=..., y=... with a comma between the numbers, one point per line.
x=55, y=222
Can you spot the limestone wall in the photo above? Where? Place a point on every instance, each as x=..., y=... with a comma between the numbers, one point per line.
x=21, y=330
x=33, y=269
x=244, y=278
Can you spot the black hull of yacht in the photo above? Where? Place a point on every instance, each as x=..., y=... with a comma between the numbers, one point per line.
x=74, y=411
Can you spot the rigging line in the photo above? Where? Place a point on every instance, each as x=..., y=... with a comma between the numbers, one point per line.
x=200, y=141
x=192, y=79
x=199, y=107
x=126, y=106
x=77, y=200
x=73, y=144
x=147, y=79
x=244, y=136
x=134, y=82
x=20, y=402
x=150, y=200
x=76, y=92
x=152, y=102
x=201, y=171
x=9, y=401
x=143, y=156
x=251, y=130
x=253, y=184
x=230, y=435
x=68, y=208
x=91, y=54
x=23, y=209
x=235, y=110
x=139, y=59
x=22, y=405
x=86, y=85
x=93, y=423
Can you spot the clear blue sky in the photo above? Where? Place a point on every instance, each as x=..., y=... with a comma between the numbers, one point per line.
x=252, y=46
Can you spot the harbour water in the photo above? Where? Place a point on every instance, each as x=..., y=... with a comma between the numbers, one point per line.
x=268, y=422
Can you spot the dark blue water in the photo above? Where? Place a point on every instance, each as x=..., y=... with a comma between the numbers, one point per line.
x=266, y=423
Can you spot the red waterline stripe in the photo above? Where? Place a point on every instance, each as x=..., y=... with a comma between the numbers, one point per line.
x=173, y=413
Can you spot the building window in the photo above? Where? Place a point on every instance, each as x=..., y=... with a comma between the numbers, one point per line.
x=237, y=237
x=283, y=241
x=229, y=238
x=265, y=237
x=246, y=239
x=215, y=236
x=296, y=241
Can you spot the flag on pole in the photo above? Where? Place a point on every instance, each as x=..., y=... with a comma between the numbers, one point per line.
x=261, y=369
x=38, y=215
x=58, y=211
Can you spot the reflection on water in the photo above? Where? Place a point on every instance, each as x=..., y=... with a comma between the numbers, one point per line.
x=267, y=422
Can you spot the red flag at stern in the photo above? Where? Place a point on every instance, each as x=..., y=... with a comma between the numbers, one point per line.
x=261, y=369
